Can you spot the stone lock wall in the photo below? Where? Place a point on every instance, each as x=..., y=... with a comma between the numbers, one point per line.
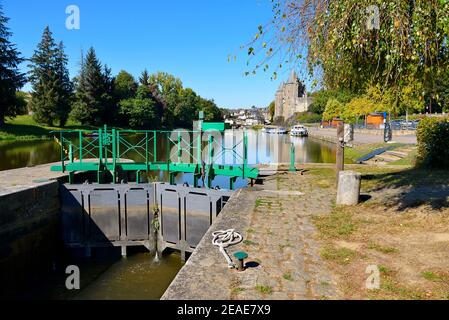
x=29, y=234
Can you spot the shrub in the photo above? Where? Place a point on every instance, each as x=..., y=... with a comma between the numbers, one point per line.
x=433, y=143
x=308, y=117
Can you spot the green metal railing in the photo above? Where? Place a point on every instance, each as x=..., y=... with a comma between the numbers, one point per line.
x=175, y=152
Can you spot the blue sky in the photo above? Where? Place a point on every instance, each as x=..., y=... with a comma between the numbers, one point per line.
x=190, y=39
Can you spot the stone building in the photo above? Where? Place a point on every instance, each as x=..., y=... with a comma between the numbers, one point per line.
x=290, y=98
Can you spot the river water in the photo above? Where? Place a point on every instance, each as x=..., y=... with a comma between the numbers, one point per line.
x=141, y=276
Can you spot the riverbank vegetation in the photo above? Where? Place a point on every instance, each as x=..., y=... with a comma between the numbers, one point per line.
x=24, y=127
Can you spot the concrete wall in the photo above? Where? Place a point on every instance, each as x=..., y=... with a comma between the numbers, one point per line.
x=29, y=234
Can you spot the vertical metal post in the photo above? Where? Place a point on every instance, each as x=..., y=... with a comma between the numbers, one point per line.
x=245, y=151
x=223, y=149
x=198, y=159
x=168, y=155
x=340, y=160
x=292, y=158
x=210, y=160
x=100, y=155
x=179, y=147
x=146, y=149
x=61, y=141
x=154, y=147
x=114, y=155
x=71, y=161
x=80, y=133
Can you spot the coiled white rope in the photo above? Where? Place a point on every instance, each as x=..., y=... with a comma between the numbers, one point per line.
x=225, y=238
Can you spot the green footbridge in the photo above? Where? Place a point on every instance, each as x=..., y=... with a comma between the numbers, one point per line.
x=202, y=153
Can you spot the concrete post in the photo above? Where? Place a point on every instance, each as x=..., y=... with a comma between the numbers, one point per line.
x=348, y=188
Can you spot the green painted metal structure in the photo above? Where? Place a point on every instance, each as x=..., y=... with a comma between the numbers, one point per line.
x=105, y=150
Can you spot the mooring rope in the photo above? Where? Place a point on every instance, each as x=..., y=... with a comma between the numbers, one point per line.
x=225, y=238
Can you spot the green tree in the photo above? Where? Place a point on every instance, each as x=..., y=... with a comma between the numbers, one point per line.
x=94, y=102
x=22, y=102
x=166, y=88
x=11, y=79
x=342, y=51
x=52, y=88
x=140, y=112
x=144, y=78
x=271, y=110
x=334, y=108
x=125, y=86
x=211, y=110
x=321, y=97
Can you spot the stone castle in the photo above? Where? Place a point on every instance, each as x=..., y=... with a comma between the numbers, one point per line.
x=291, y=98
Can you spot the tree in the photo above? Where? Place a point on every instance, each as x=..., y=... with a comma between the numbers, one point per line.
x=11, y=79
x=64, y=86
x=52, y=89
x=211, y=110
x=271, y=110
x=321, y=97
x=166, y=89
x=125, y=86
x=141, y=111
x=144, y=78
x=344, y=51
x=93, y=103
x=334, y=108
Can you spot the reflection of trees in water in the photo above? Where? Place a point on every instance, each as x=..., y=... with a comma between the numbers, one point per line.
x=263, y=148
x=27, y=153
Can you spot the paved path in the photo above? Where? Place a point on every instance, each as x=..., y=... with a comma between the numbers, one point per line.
x=362, y=138
x=284, y=260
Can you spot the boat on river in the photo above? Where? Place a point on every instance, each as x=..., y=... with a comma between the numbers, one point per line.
x=299, y=131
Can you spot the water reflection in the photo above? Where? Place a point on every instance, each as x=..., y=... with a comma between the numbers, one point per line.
x=227, y=149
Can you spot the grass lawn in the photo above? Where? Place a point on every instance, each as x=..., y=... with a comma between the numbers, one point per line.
x=358, y=151
x=25, y=128
x=402, y=228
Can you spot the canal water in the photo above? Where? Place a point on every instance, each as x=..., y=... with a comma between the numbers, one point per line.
x=262, y=149
x=141, y=275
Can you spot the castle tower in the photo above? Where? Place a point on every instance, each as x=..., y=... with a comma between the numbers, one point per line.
x=291, y=98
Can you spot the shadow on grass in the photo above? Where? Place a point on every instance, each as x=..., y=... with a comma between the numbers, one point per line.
x=30, y=131
x=415, y=187
x=22, y=130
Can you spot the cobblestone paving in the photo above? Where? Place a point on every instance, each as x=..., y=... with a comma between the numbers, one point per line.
x=283, y=258
x=285, y=261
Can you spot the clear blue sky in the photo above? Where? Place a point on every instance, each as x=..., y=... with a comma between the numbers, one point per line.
x=190, y=39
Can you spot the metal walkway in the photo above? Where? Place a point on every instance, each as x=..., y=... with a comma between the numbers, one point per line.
x=201, y=153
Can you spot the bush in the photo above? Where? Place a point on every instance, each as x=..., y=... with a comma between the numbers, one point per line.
x=433, y=143
x=308, y=117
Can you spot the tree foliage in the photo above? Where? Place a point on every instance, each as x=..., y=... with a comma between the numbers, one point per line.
x=94, y=93
x=140, y=112
x=125, y=87
x=334, y=39
x=52, y=88
x=11, y=79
